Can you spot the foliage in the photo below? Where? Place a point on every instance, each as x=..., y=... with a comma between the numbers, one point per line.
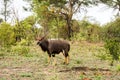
x=6, y=34
x=93, y=32
x=20, y=50
x=118, y=67
x=57, y=29
x=1, y=20
x=112, y=40
x=103, y=56
x=63, y=10
x=88, y=31
x=17, y=39
x=25, y=29
x=23, y=42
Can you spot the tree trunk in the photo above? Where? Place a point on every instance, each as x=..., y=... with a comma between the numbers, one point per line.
x=5, y=12
x=69, y=19
x=69, y=28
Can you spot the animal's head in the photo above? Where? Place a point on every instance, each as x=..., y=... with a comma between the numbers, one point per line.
x=41, y=39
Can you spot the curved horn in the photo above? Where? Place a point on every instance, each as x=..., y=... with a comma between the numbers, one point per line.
x=41, y=38
x=45, y=35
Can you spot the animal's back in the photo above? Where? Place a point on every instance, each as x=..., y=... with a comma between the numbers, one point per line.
x=59, y=45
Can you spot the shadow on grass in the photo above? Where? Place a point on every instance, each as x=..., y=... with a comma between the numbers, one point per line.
x=84, y=69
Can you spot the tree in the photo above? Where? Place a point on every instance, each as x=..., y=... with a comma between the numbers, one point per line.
x=64, y=8
x=5, y=11
x=112, y=39
x=112, y=31
x=1, y=20
x=24, y=29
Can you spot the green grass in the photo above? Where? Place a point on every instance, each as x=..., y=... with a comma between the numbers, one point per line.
x=84, y=64
x=118, y=67
x=25, y=74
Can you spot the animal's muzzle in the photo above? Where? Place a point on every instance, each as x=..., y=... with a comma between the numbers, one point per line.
x=38, y=43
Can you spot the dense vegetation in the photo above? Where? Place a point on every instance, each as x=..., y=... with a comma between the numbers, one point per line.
x=112, y=39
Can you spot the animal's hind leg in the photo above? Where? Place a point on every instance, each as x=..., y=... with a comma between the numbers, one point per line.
x=68, y=59
x=65, y=57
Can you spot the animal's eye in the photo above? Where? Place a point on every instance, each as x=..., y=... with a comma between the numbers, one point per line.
x=40, y=40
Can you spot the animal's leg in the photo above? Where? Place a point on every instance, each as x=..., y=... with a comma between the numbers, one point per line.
x=49, y=58
x=63, y=53
x=54, y=59
x=66, y=58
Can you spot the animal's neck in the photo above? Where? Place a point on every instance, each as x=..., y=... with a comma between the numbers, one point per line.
x=44, y=45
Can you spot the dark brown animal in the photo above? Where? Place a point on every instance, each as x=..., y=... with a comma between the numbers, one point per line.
x=54, y=47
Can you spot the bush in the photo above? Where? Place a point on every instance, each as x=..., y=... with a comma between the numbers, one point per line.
x=24, y=42
x=118, y=67
x=6, y=34
x=20, y=50
x=112, y=40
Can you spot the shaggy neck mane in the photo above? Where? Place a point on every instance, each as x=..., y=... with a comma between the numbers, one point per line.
x=44, y=45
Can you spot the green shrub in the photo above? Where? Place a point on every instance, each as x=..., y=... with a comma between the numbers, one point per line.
x=79, y=36
x=112, y=39
x=118, y=67
x=103, y=56
x=24, y=42
x=20, y=50
x=6, y=34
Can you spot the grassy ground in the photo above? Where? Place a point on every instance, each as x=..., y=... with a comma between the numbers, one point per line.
x=87, y=62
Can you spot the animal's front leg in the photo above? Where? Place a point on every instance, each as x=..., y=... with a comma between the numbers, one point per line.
x=65, y=60
x=54, y=59
x=49, y=58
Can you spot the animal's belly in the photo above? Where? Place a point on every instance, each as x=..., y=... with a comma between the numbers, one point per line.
x=57, y=52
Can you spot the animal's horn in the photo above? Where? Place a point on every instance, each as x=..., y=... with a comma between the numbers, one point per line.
x=41, y=38
x=45, y=35
x=37, y=38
